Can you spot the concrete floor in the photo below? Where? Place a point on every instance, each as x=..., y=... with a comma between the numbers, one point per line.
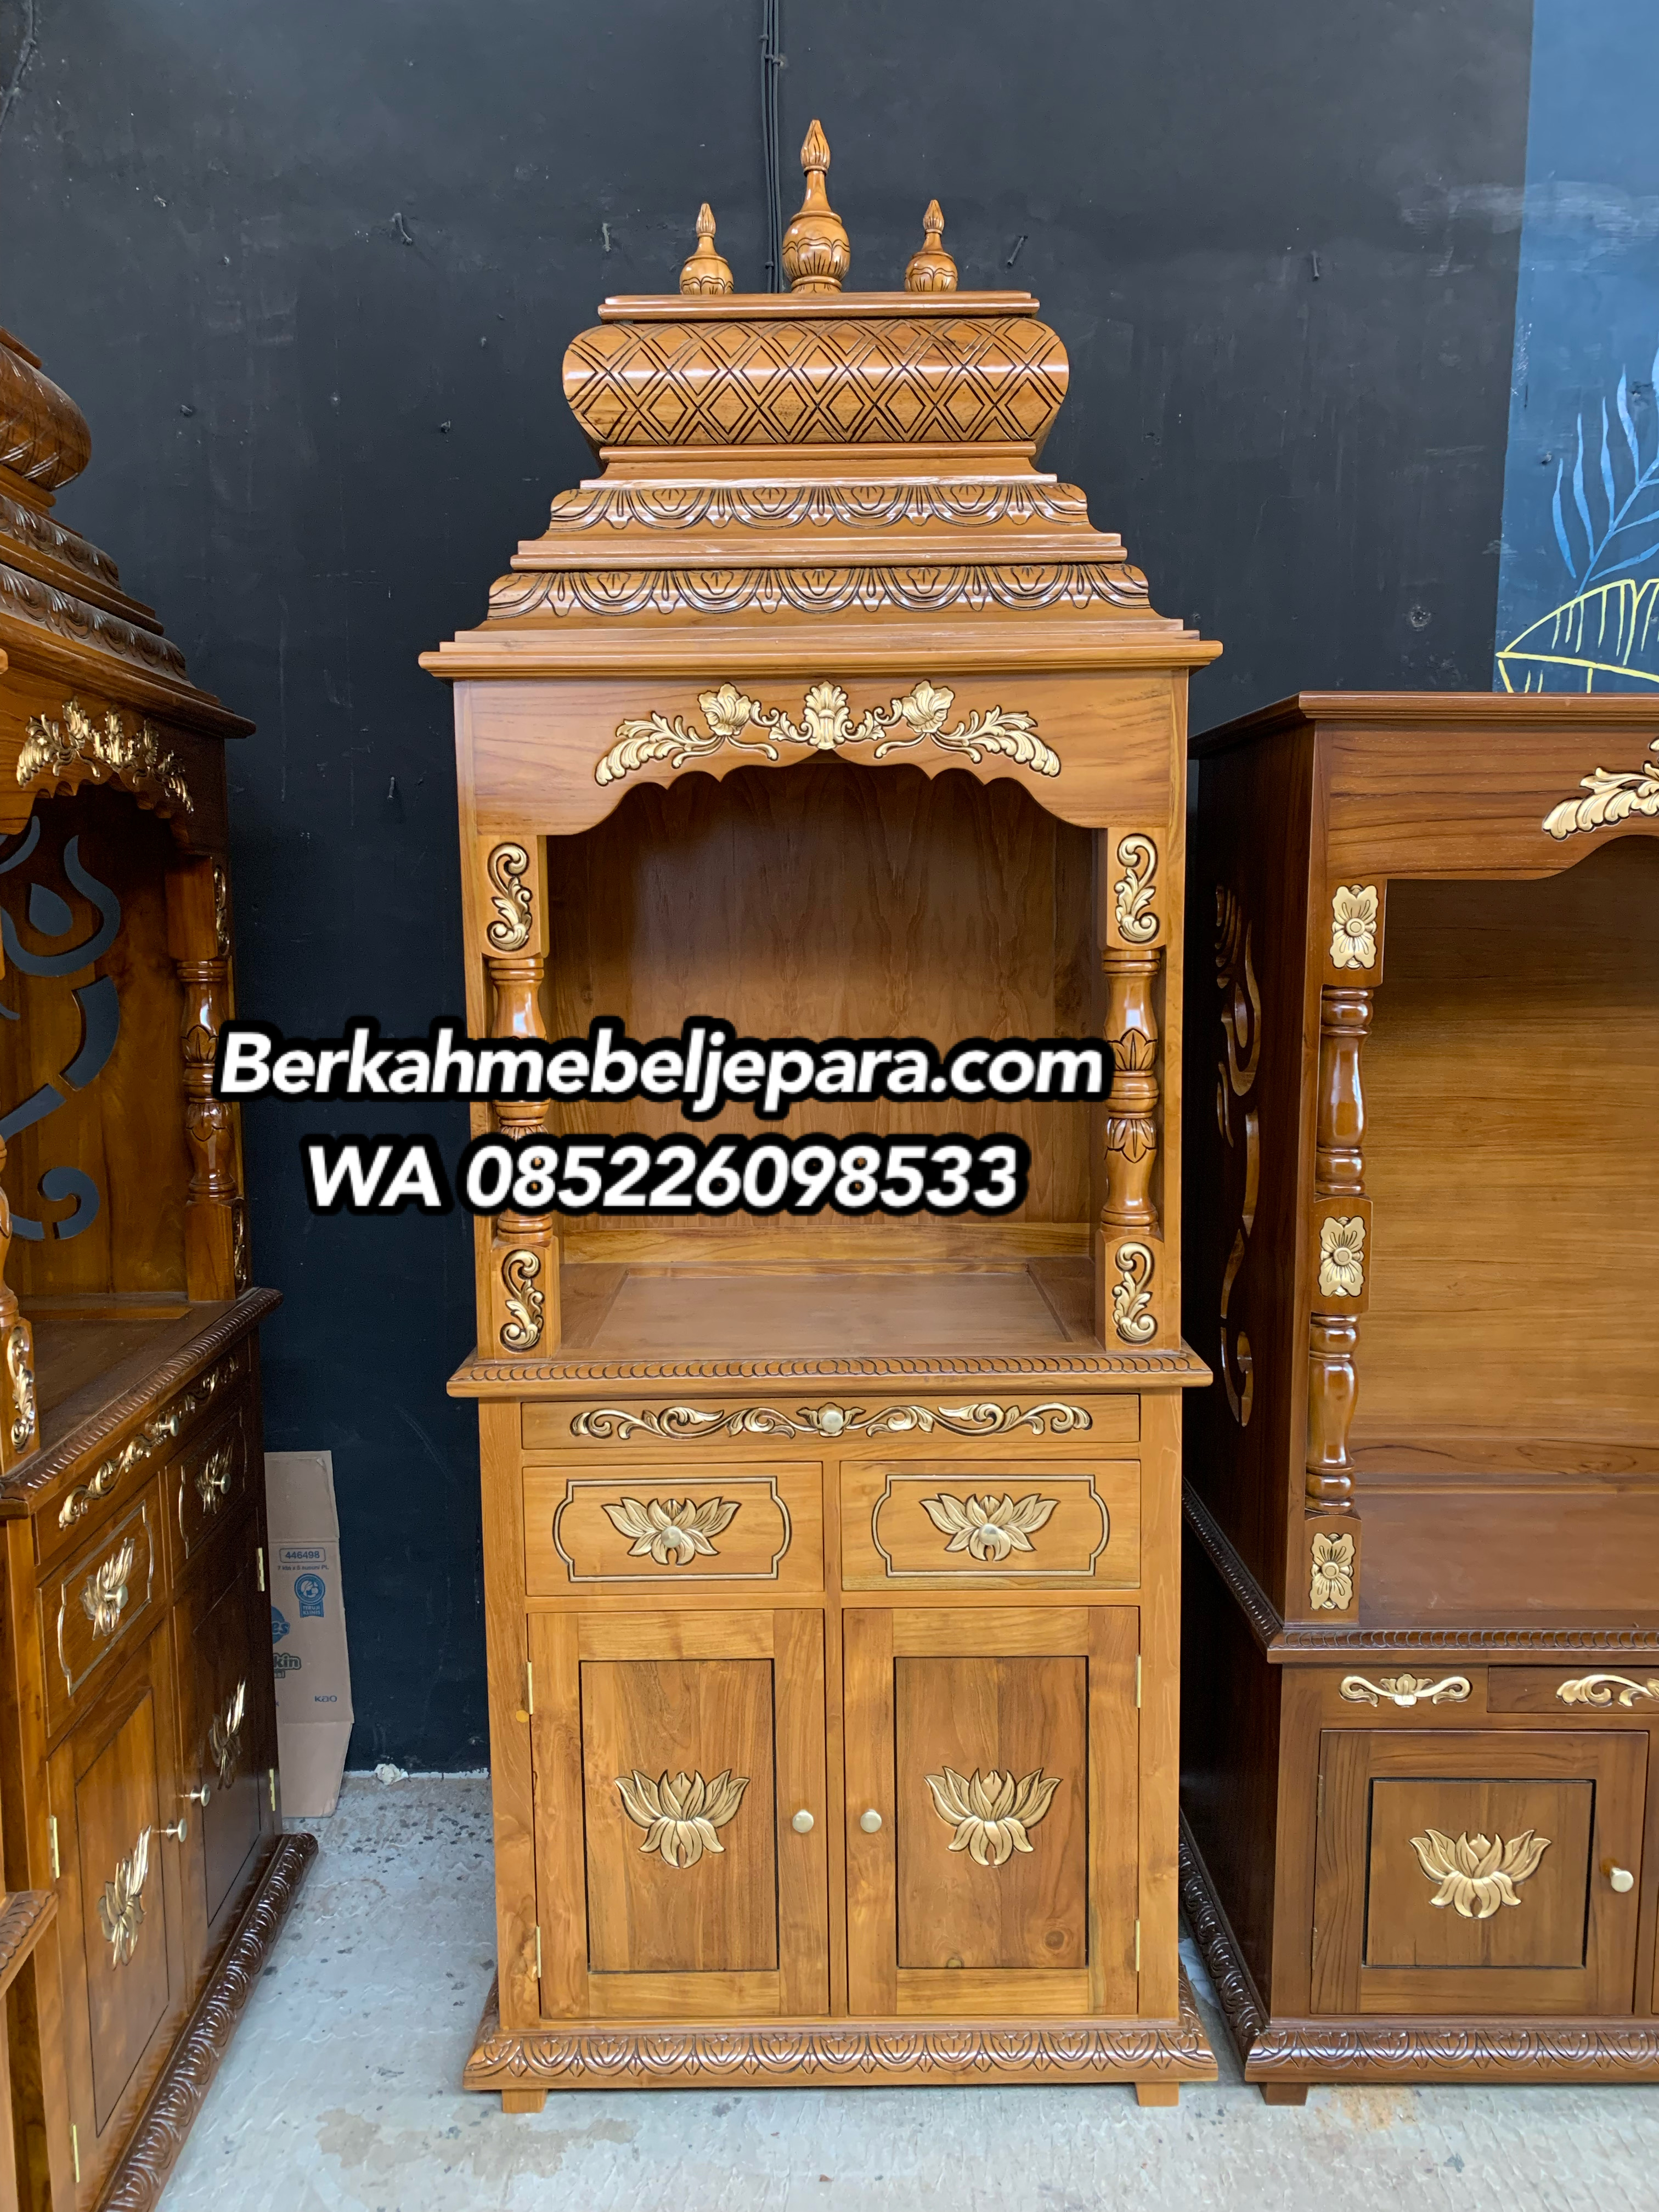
x=339, y=2095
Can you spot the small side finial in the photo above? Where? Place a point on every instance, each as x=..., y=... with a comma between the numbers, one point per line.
x=816, y=255
x=706, y=271
x=930, y=267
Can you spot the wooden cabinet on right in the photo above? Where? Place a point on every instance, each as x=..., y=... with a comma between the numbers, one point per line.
x=1420, y=1620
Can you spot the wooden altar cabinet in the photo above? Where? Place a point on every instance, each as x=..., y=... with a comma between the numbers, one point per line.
x=138, y=1757
x=822, y=710
x=1421, y=1618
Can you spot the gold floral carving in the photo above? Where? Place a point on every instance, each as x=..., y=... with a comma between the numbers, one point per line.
x=1132, y=1295
x=988, y=1528
x=22, y=1388
x=225, y=1735
x=161, y=1430
x=1477, y=1873
x=826, y=725
x=1353, y=925
x=1236, y=1074
x=137, y=759
x=221, y=910
x=680, y=1817
x=105, y=1595
x=506, y=868
x=213, y=1477
x=1405, y=1690
x=672, y=1531
x=1132, y=891
x=120, y=1909
x=1598, y=1689
x=524, y=1302
x=1330, y=1588
x=680, y=1424
x=1614, y=796
x=1342, y=1255
x=992, y=1814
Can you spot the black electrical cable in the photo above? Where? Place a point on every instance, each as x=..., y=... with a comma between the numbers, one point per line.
x=771, y=69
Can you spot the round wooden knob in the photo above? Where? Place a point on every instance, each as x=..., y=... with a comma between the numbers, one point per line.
x=1621, y=1878
x=802, y=1824
x=870, y=1821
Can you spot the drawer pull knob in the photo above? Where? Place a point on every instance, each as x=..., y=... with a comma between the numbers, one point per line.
x=870, y=1821
x=178, y=1830
x=803, y=1823
x=1621, y=1877
x=201, y=1796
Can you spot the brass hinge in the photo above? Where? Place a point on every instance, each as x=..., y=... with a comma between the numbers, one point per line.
x=271, y=1772
x=539, y=1950
x=1137, y=1681
x=74, y=2147
x=260, y=1556
x=1319, y=1807
x=529, y=1687
x=51, y=1844
x=1137, y=1946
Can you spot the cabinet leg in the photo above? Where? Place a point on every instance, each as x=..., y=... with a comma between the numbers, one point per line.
x=523, y=2101
x=1157, y=2093
x=1283, y=2093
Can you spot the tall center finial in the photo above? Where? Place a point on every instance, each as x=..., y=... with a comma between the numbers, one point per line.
x=816, y=252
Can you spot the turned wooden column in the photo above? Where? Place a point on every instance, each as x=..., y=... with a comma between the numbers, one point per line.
x=216, y=1264
x=523, y=1276
x=1131, y=1234
x=1337, y=1259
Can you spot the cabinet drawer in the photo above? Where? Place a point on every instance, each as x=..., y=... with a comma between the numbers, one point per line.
x=138, y=1454
x=94, y=1608
x=674, y=1527
x=727, y=1427
x=207, y=1486
x=1006, y=1522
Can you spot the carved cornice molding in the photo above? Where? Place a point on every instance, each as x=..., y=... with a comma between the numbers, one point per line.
x=907, y=2051
x=818, y=507
x=918, y=589
x=1235, y=1986
x=1458, y=2051
x=82, y=566
x=1254, y=1602
x=811, y=380
x=483, y=1376
x=26, y=599
x=141, y=2174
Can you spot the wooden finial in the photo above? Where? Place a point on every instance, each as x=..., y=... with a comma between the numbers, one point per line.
x=706, y=271
x=816, y=252
x=930, y=267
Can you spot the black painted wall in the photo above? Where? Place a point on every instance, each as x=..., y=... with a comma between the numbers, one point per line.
x=310, y=270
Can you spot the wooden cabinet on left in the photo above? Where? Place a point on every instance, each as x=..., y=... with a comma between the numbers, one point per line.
x=145, y=1870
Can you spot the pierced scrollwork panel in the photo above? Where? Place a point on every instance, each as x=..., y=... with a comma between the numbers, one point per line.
x=682, y=1424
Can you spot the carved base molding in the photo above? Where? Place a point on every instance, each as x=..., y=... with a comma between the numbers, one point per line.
x=139, y=2180
x=1492, y=2050
x=805, y=2054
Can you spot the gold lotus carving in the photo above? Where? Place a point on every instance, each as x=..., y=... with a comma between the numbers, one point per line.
x=225, y=1735
x=1598, y=1689
x=1342, y=1255
x=988, y=1528
x=120, y=1909
x=991, y=1813
x=137, y=758
x=1331, y=1582
x=680, y=1817
x=213, y=1478
x=1353, y=925
x=1614, y=795
x=1133, y=892
x=1477, y=1874
x=104, y=1594
x=680, y=1424
x=825, y=725
x=672, y=1531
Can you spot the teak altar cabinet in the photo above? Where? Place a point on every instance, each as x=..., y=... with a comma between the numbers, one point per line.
x=137, y=1722
x=1421, y=1617
x=824, y=711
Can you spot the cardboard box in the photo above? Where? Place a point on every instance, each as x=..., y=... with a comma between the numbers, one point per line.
x=308, y=1630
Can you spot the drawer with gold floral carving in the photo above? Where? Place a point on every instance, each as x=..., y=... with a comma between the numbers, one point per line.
x=120, y=1466
x=207, y=1487
x=91, y=1608
x=966, y=1421
x=635, y=1527
x=1017, y=1519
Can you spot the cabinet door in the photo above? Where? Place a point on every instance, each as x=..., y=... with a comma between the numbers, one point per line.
x=673, y=1753
x=111, y=1787
x=991, y=1810
x=221, y=1628
x=1464, y=1870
